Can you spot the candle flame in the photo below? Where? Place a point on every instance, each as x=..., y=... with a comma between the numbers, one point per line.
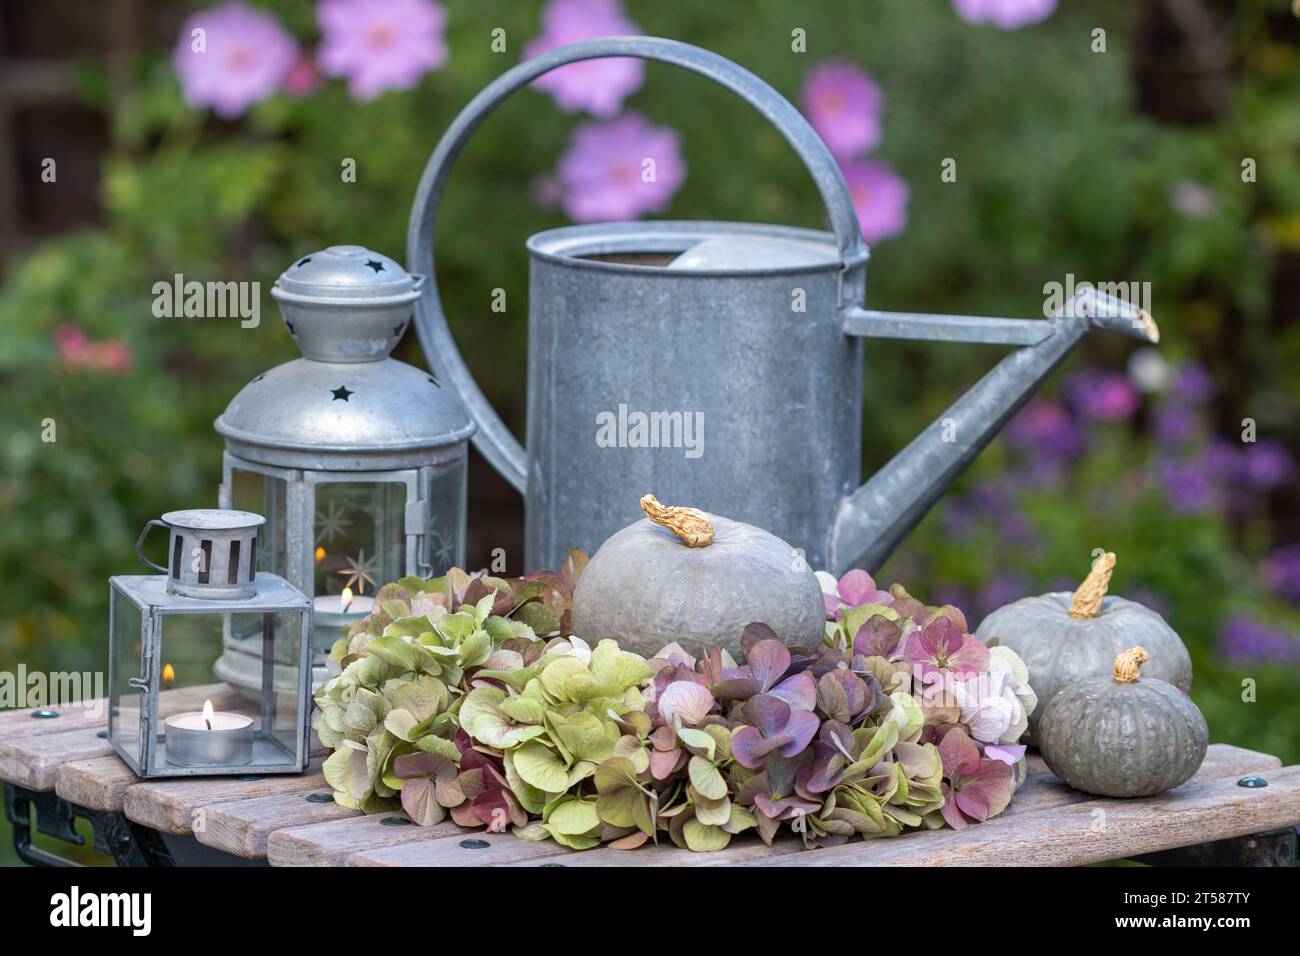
x=320, y=554
x=169, y=672
x=346, y=597
x=207, y=713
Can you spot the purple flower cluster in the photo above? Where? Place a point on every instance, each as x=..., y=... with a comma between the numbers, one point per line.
x=844, y=105
x=1247, y=639
x=1280, y=572
x=232, y=57
x=1101, y=395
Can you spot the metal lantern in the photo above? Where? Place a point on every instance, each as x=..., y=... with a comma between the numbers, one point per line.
x=356, y=459
x=166, y=718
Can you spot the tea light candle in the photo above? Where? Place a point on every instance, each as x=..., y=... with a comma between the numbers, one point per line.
x=332, y=612
x=208, y=738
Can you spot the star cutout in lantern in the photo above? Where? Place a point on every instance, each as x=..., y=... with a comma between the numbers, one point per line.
x=342, y=392
x=375, y=264
x=331, y=523
x=359, y=571
x=444, y=549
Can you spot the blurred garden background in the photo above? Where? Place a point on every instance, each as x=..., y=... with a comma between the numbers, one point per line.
x=1146, y=141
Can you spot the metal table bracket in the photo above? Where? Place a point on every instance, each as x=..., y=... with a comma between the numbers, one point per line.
x=128, y=843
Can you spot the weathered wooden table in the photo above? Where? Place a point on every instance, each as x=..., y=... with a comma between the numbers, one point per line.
x=1240, y=809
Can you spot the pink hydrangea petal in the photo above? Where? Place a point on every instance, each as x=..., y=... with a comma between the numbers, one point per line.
x=957, y=750
x=685, y=699
x=973, y=803
x=857, y=587
x=799, y=691
x=1009, y=754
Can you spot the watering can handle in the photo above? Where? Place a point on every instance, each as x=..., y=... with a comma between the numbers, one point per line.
x=493, y=438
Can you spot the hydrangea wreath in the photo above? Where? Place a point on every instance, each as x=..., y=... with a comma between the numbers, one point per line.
x=468, y=696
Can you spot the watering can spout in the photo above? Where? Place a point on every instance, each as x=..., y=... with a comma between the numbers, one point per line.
x=875, y=518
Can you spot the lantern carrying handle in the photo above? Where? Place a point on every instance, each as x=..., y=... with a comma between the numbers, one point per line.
x=139, y=544
x=493, y=438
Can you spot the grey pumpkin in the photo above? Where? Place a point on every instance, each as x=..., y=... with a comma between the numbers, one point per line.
x=1064, y=638
x=1127, y=735
x=695, y=578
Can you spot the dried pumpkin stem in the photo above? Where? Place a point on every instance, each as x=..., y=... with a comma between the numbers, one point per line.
x=1087, y=600
x=1128, y=663
x=689, y=524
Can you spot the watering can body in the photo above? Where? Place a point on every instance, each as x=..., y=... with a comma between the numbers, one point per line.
x=720, y=365
x=734, y=389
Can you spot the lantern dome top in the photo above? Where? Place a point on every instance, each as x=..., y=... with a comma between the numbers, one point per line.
x=346, y=405
x=346, y=273
x=339, y=416
x=346, y=303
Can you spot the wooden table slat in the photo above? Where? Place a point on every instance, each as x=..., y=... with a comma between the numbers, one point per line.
x=330, y=844
x=33, y=762
x=452, y=851
x=97, y=784
x=178, y=806
x=1089, y=832
x=244, y=826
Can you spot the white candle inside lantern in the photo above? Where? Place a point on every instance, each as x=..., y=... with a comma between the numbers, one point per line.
x=333, y=612
x=208, y=738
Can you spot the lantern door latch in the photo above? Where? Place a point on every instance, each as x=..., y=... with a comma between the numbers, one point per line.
x=417, y=517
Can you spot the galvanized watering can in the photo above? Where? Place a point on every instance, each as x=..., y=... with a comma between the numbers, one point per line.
x=673, y=357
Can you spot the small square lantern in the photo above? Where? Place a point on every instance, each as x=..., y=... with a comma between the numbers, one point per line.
x=166, y=717
x=356, y=459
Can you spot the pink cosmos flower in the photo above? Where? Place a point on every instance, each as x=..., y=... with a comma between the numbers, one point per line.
x=243, y=58
x=619, y=170
x=597, y=86
x=844, y=104
x=381, y=44
x=879, y=196
x=1005, y=14
x=76, y=350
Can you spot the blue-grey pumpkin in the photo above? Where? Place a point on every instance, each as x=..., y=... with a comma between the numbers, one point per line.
x=683, y=575
x=1064, y=638
x=1127, y=735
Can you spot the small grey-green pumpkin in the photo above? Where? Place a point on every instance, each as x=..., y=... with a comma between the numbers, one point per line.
x=1127, y=735
x=695, y=578
x=1064, y=638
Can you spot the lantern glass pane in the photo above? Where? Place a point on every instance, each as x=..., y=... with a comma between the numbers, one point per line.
x=447, y=517
x=265, y=495
x=360, y=536
x=128, y=654
x=254, y=726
